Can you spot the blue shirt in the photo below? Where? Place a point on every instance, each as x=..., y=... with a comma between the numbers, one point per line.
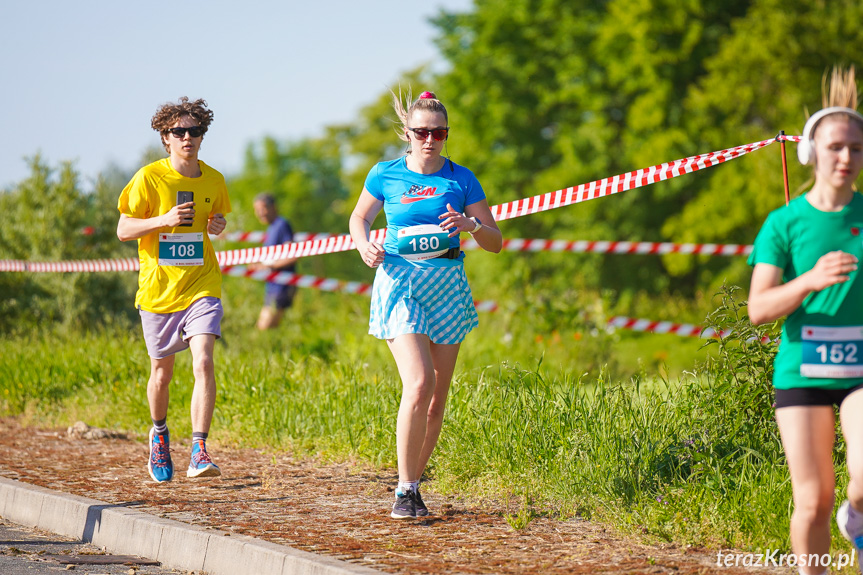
x=279, y=232
x=411, y=199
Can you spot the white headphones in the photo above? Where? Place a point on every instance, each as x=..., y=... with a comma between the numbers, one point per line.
x=807, y=143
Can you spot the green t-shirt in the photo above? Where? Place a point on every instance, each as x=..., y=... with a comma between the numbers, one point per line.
x=793, y=238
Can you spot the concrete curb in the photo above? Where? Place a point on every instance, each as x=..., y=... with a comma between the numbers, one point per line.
x=176, y=545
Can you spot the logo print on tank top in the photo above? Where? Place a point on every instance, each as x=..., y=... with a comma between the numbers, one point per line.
x=416, y=193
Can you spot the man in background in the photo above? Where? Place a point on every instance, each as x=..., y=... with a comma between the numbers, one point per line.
x=277, y=297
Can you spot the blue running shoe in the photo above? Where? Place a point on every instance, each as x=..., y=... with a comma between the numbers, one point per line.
x=160, y=466
x=201, y=465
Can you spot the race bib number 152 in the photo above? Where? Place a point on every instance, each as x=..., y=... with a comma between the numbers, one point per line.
x=833, y=352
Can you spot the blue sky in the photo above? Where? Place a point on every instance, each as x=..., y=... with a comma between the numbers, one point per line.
x=81, y=80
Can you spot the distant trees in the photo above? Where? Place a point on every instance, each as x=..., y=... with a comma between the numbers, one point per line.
x=48, y=217
x=305, y=176
x=549, y=93
x=542, y=94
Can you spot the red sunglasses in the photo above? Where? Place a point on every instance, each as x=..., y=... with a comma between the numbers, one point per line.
x=423, y=134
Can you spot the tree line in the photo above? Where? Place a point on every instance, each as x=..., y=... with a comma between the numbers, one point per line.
x=542, y=95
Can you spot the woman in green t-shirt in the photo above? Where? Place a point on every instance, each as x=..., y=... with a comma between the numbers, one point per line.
x=805, y=262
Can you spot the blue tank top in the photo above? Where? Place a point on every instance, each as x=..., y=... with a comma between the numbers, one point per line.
x=411, y=199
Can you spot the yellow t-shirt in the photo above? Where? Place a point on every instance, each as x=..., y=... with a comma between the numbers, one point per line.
x=189, y=270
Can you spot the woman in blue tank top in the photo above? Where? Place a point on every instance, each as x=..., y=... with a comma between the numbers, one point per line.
x=421, y=302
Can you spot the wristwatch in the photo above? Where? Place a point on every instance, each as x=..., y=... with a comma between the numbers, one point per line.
x=478, y=226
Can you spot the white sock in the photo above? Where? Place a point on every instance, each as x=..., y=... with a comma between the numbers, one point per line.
x=405, y=486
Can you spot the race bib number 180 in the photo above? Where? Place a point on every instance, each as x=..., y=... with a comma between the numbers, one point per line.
x=833, y=352
x=181, y=249
x=422, y=242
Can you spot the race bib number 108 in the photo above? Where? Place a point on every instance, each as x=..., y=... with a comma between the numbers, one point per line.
x=833, y=352
x=181, y=249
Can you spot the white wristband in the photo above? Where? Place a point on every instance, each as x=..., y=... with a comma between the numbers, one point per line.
x=478, y=226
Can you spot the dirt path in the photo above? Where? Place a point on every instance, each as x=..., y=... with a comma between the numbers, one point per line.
x=336, y=509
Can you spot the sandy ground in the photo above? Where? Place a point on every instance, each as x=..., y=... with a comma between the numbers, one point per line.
x=341, y=510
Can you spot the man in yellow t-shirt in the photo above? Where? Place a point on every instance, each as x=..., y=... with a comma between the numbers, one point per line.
x=170, y=206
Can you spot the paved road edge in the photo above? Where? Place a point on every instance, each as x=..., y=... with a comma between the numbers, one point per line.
x=176, y=545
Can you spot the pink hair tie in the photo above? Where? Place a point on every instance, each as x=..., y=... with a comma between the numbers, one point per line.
x=426, y=96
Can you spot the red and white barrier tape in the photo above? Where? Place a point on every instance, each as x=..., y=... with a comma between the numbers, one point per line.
x=13, y=266
x=583, y=246
x=621, y=182
x=683, y=329
x=646, y=175
x=332, y=244
x=518, y=208
x=606, y=247
x=118, y=265
x=324, y=284
x=540, y=245
x=512, y=245
x=288, y=278
x=332, y=285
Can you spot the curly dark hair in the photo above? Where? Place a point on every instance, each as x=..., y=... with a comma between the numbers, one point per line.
x=168, y=114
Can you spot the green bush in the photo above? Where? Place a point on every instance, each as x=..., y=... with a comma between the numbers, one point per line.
x=50, y=218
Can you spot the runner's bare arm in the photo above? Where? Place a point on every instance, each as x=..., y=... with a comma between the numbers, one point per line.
x=367, y=209
x=770, y=299
x=488, y=237
x=129, y=228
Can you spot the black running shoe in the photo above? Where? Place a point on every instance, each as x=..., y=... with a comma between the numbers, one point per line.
x=422, y=510
x=405, y=506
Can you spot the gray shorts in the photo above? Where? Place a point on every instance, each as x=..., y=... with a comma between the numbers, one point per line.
x=167, y=333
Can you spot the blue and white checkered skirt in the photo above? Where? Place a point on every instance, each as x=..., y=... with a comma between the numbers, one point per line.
x=436, y=301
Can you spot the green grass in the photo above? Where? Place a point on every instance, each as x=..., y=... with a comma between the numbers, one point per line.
x=621, y=428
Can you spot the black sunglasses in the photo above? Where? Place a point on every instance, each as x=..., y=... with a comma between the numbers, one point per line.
x=423, y=134
x=194, y=131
